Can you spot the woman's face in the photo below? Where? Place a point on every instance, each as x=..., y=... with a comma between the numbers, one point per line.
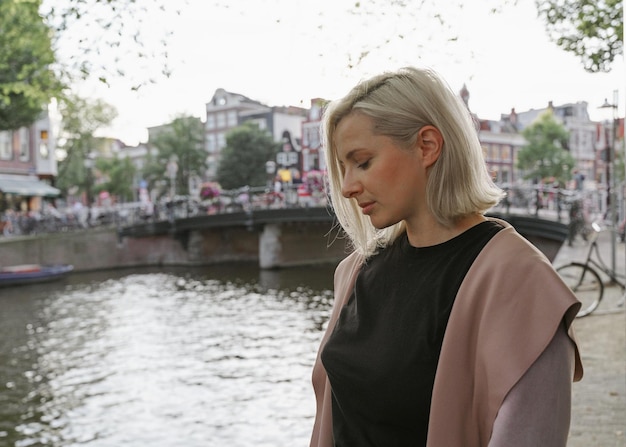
x=387, y=180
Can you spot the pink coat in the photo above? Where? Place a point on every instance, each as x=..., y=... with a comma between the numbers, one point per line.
x=507, y=311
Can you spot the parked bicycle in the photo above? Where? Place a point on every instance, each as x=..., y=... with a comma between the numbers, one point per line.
x=584, y=279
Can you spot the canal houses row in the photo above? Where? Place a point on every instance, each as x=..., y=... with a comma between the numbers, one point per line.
x=299, y=131
x=29, y=154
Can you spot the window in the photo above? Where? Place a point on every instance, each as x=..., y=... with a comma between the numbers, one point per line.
x=497, y=152
x=210, y=121
x=311, y=137
x=506, y=153
x=211, y=145
x=504, y=176
x=221, y=120
x=232, y=118
x=221, y=140
x=44, y=151
x=5, y=145
x=24, y=136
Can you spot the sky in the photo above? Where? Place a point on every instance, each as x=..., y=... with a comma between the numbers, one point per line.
x=286, y=52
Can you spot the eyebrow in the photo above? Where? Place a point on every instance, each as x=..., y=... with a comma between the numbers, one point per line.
x=351, y=154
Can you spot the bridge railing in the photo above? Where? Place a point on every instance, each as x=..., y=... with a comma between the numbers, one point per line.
x=553, y=203
x=538, y=201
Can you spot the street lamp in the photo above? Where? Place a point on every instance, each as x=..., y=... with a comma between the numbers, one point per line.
x=610, y=172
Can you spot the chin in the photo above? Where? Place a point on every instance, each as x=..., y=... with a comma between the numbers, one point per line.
x=381, y=225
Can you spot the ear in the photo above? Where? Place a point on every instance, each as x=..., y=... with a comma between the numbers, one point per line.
x=430, y=141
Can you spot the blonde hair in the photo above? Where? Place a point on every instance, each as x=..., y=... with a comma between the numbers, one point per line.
x=401, y=103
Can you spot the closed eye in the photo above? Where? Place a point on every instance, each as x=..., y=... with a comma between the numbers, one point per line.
x=364, y=165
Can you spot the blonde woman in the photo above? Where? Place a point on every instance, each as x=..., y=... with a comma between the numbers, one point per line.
x=448, y=328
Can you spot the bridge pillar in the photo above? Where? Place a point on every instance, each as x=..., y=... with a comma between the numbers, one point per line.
x=289, y=245
x=270, y=246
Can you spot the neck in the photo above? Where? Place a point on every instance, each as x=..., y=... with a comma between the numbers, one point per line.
x=431, y=232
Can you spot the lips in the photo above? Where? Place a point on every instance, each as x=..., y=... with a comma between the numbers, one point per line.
x=366, y=207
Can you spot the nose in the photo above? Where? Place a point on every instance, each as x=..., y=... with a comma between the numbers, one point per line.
x=351, y=187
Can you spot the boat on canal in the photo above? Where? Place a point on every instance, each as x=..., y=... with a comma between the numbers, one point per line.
x=23, y=274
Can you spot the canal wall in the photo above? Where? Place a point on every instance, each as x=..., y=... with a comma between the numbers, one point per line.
x=272, y=238
x=272, y=246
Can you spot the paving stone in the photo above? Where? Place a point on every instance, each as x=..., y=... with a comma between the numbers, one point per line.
x=599, y=400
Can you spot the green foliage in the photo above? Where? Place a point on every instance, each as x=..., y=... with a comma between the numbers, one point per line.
x=181, y=140
x=591, y=29
x=27, y=82
x=81, y=119
x=96, y=40
x=118, y=175
x=243, y=159
x=545, y=155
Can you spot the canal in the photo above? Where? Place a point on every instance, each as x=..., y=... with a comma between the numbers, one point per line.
x=210, y=356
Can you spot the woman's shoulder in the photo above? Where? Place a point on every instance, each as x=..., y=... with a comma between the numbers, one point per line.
x=512, y=266
x=509, y=245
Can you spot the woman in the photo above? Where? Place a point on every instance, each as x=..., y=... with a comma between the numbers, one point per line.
x=448, y=328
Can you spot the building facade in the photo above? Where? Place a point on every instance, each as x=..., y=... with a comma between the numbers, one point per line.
x=222, y=115
x=28, y=164
x=501, y=148
x=227, y=110
x=583, y=143
x=312, y=152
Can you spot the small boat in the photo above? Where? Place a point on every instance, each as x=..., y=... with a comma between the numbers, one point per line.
x=32, y=273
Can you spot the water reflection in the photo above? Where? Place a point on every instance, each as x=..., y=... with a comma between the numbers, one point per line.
x=217, y=356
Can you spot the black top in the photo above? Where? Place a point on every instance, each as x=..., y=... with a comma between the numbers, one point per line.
x=382, y=355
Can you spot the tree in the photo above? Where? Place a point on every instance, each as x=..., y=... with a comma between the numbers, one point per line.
x=591, y=29
x=182, y=141
x=48, y=44
x=545, y=155
x=243, y=159
x=27, y=81
x=118, y=175
x=81, y=118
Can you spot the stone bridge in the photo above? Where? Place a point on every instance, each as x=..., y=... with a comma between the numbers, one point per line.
x=273, y=238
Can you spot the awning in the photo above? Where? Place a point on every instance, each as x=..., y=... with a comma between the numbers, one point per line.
x=26, y=186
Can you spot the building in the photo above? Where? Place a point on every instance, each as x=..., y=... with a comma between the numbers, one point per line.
x=138, y=156
x=501, y=144
x=582, y=134
x=28, y=165
x=227, y=110
x=312, y=152
x=502, y=141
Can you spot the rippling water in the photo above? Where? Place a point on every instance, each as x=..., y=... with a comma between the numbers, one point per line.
x=208, y=357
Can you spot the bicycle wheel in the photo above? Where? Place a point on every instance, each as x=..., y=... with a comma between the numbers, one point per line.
x=586, y=285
